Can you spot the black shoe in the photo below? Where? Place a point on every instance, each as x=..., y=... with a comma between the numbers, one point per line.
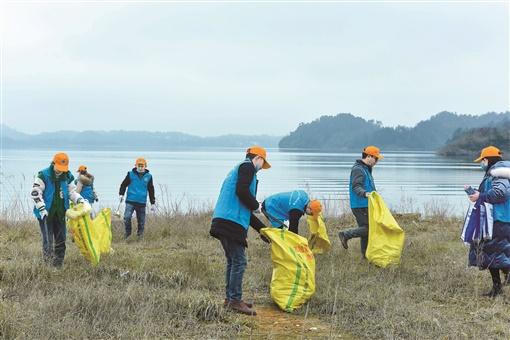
x=495, y=291
x=58, y=263
x=343, y=239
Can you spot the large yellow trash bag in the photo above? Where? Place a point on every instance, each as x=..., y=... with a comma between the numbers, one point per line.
x=319, y=240
x=92, y=237
x=293, y=281
x=385, y=237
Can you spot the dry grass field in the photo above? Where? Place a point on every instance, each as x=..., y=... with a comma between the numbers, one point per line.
x=170, y=285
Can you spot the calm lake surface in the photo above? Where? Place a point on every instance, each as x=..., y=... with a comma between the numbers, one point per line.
x=192, y=178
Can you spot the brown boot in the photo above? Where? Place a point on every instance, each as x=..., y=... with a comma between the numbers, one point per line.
x=225, y=303
x=241, y=307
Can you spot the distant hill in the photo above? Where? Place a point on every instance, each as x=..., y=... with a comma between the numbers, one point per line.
x=8, y=133
x=469, y=142
x=345, y=132
x=121, y=140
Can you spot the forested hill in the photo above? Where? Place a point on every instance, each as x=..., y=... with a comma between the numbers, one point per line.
x=470, y=142
x=346, y=132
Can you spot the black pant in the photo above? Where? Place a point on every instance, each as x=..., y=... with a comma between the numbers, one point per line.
x=496, y=278
x=361, y=215
x=53, y=234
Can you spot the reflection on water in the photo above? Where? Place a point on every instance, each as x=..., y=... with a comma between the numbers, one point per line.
x=406, y=180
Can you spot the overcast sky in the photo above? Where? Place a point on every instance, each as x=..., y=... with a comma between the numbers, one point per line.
x=248, y=68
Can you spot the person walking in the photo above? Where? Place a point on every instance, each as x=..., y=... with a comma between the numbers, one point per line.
x=52, y=190
x=493, y=254
x=138, y=183
x=361, y=184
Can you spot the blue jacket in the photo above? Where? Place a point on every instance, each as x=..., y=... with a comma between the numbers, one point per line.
x=361, y=181
x=496, y=191
x=279, y=205
x=138, y=187
x=495, y=253
x=228, y=205
x=49, y=190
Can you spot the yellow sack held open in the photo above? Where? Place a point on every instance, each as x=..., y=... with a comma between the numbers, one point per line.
x=293, y=281
x=319, y=240
x=92, y=237
x=385, y=237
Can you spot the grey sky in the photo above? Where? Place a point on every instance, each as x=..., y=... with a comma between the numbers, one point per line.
x=219, y=68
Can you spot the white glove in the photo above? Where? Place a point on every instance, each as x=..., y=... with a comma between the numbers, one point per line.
x=367, y=194
x=43, y=213
x=259, y=209
x=86, y=206
x=153, y=208
x=121, y=198
x=42, y=209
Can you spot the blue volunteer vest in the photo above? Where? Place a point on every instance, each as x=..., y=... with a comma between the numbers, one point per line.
x=137, y=189
x=229, y=206
x=355, y=200
x=49, y=191
x=87, y=192
x=279, y=205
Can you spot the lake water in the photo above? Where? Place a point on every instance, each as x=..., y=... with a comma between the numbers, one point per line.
x=192, y=178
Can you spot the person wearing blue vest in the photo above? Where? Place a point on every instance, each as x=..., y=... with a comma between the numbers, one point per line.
x=138, y=183
x=233, y=215
x=361, y=184
x=85, y=186
x=289, y=206
x=493, y=254
x=52, y=190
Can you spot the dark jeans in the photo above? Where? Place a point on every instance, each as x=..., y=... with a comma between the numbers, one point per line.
x=53, y=233
x=236, y=264
x=361, y=215
x=140, y=218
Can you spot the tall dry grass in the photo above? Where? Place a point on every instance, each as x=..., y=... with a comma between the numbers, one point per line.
x=170, y=285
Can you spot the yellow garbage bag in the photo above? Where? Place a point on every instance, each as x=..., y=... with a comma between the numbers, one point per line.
x=319, y=240
x=293, y=281
x=385, y=237
x=92, y=237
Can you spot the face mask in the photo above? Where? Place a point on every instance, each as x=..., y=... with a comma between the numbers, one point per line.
x=258, y=164
x=140, y=169
x=484, y=166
